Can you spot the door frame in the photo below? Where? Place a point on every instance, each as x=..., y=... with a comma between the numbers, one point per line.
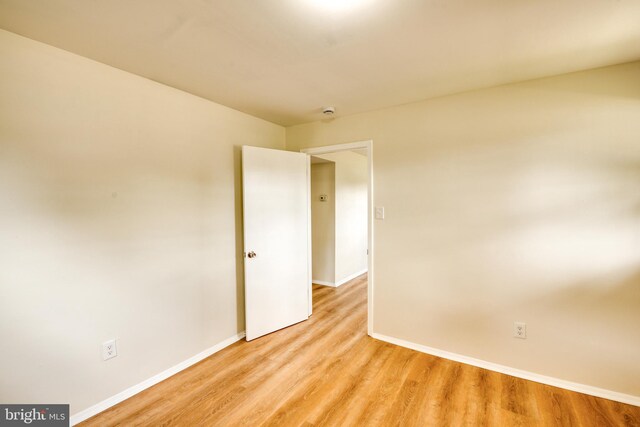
x=368, y=146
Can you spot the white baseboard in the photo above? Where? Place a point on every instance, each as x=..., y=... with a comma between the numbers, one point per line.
x=323, y=283
x=351, y=277
x=124, y=395
x=556, y=382
x=339, y=282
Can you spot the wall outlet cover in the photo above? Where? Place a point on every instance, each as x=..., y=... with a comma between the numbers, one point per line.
x=520, y=330
x=109, y=350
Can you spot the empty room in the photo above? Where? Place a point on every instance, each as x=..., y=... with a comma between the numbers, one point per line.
x=320, y=213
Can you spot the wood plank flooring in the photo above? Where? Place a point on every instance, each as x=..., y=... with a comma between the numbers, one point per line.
x=328, y=372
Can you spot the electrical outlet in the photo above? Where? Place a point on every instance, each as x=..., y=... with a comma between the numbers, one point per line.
x=109, y=350
x=520, y=330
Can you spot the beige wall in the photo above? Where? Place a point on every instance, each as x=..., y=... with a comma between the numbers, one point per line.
x=351, y=176
x=351, y=219
x=516, y=203
x=323, y=222
x=119, y=218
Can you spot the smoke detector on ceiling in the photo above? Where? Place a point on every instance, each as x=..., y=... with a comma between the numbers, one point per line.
x=328, y=111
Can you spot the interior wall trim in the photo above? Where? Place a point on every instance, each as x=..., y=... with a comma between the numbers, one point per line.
x=531, y=376
x=133, y=390
x=340, y=282
x=323, y=283
x=350, y=277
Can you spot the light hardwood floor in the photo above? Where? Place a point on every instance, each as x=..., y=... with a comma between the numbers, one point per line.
x=327, y=371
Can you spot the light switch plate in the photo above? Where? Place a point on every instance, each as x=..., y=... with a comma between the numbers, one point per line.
x=379, y=212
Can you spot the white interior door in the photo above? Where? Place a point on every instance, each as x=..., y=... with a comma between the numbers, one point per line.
x=276, y=239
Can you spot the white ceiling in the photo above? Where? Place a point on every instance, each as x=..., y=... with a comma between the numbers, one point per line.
x=283, y=60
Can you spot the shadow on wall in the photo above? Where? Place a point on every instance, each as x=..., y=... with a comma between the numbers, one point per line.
x=611, y=297
x=92, y=230
x=239, y=237
x=529, y=230
x=596, y=82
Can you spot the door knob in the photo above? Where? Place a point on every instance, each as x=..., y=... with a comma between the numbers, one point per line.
x=252, y=254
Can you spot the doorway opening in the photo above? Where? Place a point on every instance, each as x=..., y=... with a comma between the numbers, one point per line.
x=341, y=205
